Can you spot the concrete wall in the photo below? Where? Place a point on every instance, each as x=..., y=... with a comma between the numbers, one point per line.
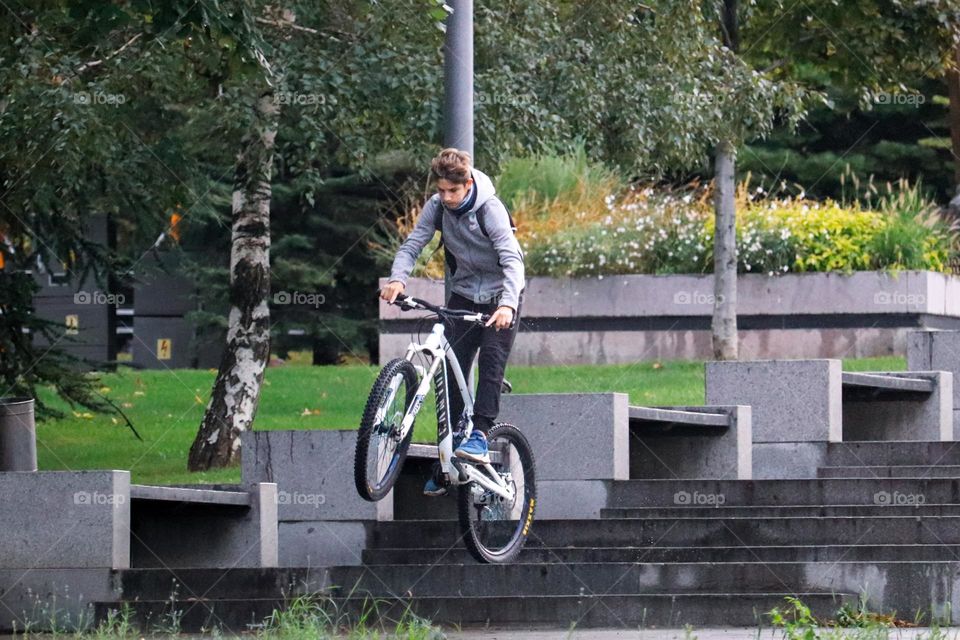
x=321, y=519
x=78, y=519
x=642, y=317
x=939, y=351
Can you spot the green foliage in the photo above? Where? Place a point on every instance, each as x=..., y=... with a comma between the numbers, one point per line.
x=812, y=42
x=648, y=88
x=320, y=616
x=100, y=117
x=119, y=623
x=801, y=236
x=916, y=236
x=28, y=360
x=852, y=620
x=890, y=141
x=657, y=231
x=541, y=178
x=796, y=620
x=880, y=110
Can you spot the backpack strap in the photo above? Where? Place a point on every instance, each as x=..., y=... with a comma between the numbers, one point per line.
x=447, y=256
x=481, y=216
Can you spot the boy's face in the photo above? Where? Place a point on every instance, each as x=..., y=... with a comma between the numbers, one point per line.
x=451, y=193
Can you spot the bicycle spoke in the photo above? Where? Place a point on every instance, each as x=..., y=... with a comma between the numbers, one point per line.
x=498, y=525
x=380, y=448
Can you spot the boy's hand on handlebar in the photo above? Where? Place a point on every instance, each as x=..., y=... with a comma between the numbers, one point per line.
x=391, y=291
x=501, y=318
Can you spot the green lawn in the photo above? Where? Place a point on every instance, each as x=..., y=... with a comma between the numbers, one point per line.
x=166, y=407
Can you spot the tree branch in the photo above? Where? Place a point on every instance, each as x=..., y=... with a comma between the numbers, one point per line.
x=96, y=63
x=281, y=24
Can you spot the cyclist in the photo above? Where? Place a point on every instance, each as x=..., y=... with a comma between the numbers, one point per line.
x=486, y=275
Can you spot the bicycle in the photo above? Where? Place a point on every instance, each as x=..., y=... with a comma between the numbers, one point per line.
x=496, y=500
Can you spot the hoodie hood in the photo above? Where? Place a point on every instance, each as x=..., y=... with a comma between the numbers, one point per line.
x=485, y=189
x=482, y=187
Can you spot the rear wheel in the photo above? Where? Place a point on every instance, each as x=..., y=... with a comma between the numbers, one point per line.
x=380, y=451
x=495, y=529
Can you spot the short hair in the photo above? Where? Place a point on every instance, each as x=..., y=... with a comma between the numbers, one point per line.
x=453, y=165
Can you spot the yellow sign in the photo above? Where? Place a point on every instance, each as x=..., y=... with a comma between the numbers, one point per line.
x=73, y=324
x=164, y=348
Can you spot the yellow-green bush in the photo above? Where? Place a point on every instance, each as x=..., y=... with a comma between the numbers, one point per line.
x=667, y=233
x=789, y=235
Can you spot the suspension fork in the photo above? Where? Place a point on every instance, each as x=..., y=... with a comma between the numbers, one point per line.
x=422, y=389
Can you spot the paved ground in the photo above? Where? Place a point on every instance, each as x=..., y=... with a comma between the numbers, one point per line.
x=952, y=633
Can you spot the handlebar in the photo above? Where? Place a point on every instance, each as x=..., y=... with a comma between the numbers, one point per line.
x=406, y=302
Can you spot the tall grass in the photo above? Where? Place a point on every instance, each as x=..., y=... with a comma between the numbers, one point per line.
x=916, y=235
x=536, y=182
x=318, y=617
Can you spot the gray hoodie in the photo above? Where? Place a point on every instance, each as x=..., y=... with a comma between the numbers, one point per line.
x=488, y=269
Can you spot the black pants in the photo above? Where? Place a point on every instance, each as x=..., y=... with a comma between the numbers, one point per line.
x=494, y=346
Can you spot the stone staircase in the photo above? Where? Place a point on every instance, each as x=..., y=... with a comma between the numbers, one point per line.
x=794, y=478
x=663, y=553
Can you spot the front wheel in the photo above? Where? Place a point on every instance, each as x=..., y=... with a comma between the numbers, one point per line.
x=493, y=528
x=380, y=449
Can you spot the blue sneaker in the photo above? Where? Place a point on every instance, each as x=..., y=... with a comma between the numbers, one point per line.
x=474, y=449
x=433, y=489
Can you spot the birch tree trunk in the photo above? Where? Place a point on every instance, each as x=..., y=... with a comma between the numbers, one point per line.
x=724, y=325
x=236, y=391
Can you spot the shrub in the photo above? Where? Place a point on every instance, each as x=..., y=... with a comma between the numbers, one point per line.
x=651, y=232
x=796, y=235
x=574, y=219
x=664, y=232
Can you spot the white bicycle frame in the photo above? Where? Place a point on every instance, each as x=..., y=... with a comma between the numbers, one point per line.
x=442, y=357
